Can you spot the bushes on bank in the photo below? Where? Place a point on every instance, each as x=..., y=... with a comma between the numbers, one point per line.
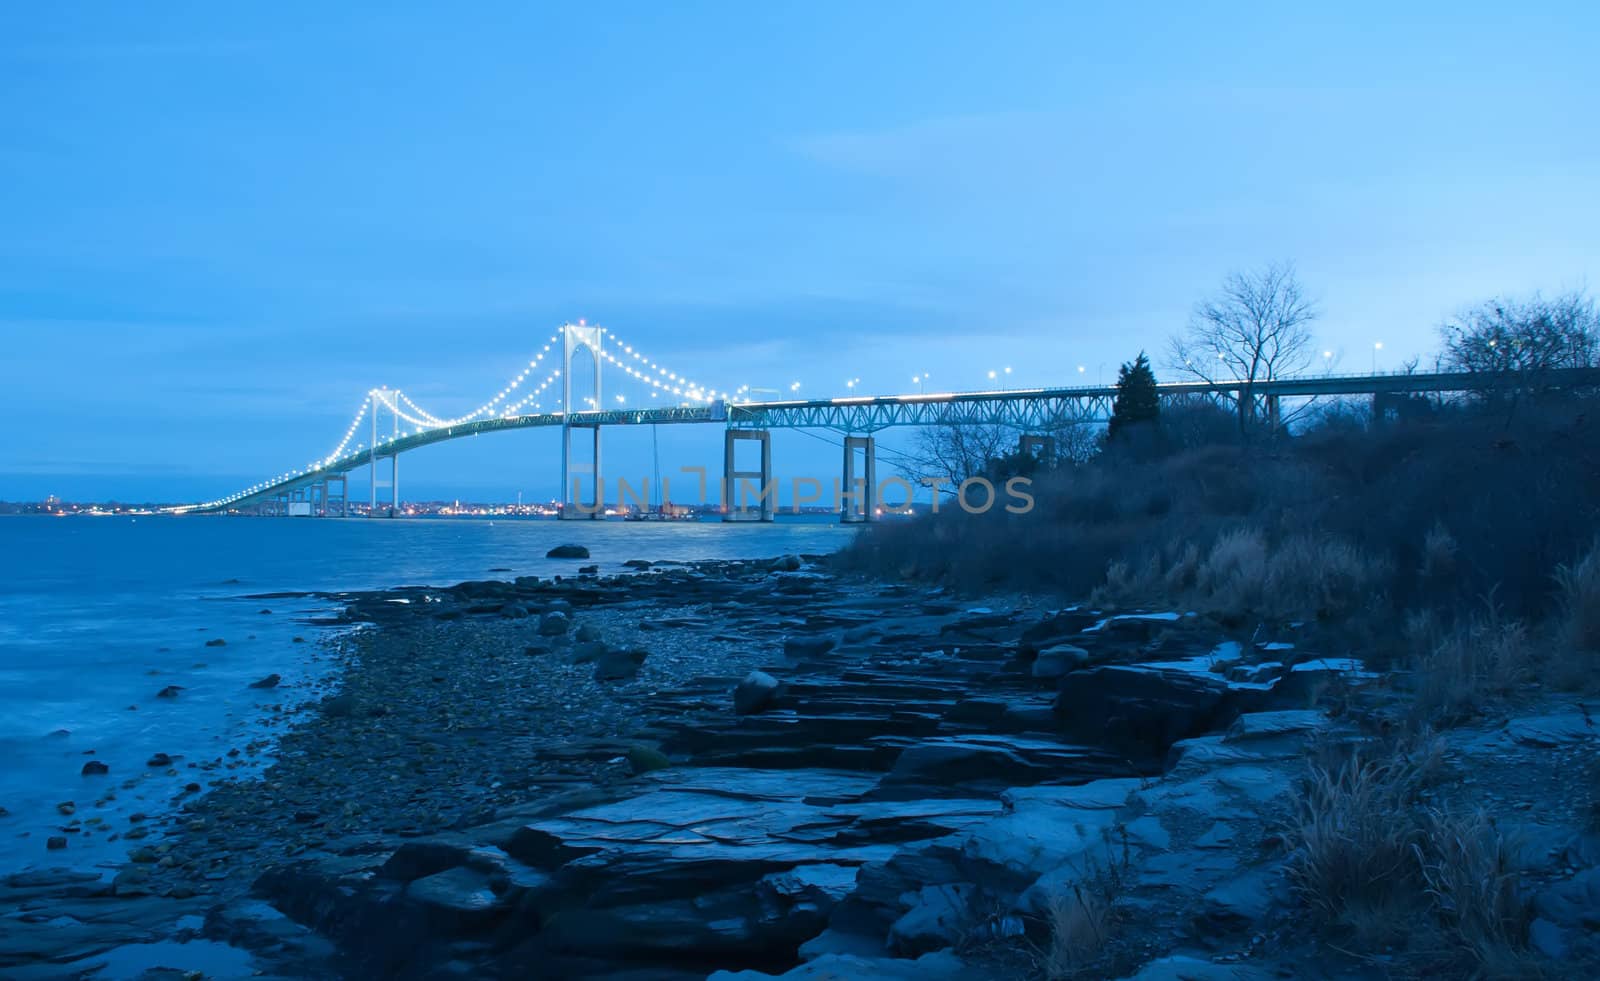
x=1434, y=514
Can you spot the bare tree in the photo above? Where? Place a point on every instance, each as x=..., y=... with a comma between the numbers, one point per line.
x=1255, y=329
x=1523, y=335
x=1077, y=442
x=955, y=453
x=1516, y=341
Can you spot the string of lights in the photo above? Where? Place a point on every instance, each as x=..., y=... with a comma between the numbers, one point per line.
x=632, y=362
x=657, y=376
x=422, y=417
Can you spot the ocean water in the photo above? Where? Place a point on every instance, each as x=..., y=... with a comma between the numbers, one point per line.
x=97, y=615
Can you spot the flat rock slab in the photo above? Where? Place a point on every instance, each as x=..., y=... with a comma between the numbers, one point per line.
x=1268, y=725
x=1180, y=968
x=1549, y=731
x=938, y=966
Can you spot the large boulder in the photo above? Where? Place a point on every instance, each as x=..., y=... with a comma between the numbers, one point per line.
x=554, y=624
x=567, y=552
x=940, y=917
x=1059, y=659
x=1141, y=710
x=754, y=693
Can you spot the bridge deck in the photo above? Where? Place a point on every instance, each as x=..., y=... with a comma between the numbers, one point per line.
x=1028, y=409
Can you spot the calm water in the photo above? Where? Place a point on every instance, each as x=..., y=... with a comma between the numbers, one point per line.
x=99, y=614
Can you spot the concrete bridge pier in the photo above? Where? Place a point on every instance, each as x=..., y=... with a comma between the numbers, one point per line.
x=1041, y=448
x=336, y=506
x=735, y=486
x=858, y=495
x=572, y=474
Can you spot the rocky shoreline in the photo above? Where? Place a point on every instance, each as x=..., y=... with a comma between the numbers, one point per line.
x=725, y=767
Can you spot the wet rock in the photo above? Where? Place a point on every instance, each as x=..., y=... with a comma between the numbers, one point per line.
x=804, y=647
x=1549, y=731
x=1179, y=967
x=456, y=900
x=938, y=966
x=636, y=564
x=131, y=882
x=1240, y=902
x=418, y=859
x=996, y=760
x=55, y=843
x=588, y=570
x=567, y=552
x=646, y=759
x=939, y=917
x=1051, y=630
x=159, y=759
x=270, y=681
x=216, y=642
x=67, y=808
x=339, y=706
x=554, y=624
x=171, y=691
x=588, y=651
x=1548, y=939
x=1141, y=710
x=785, y=563
x=95, y=768
x=587, y=633
x=514, y=611
x=619, y=665
x=754, y=693
x=1573, y=903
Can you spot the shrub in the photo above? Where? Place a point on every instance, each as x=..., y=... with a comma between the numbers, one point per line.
x=1344, y=526
x=1372, y=864
x=1579, y=586
x=1354, y=865
x=1470, y=873
x=1079, y=921
x=1457, y=673
x=1080, y=918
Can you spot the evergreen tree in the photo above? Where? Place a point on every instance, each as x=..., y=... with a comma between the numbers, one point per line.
x=1136, y=401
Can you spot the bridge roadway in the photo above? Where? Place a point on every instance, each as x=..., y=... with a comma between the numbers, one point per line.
x=1027, y=409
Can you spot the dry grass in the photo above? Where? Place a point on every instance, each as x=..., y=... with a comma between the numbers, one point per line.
x=1079, y=922
x=1354, y=865
x=1080, y=919
x=1380, y=870
x=1578, y=585
x=1440, y=554
x=1470, y=874
x=1460, y=671
x=1244, y=574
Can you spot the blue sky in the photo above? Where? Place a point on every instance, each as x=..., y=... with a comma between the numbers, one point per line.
x=222, y=225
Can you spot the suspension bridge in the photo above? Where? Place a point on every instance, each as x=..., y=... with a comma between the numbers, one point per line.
x=396, y=424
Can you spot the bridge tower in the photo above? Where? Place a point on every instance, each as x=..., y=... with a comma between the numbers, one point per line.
x=381, y=398
x=574, y=339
